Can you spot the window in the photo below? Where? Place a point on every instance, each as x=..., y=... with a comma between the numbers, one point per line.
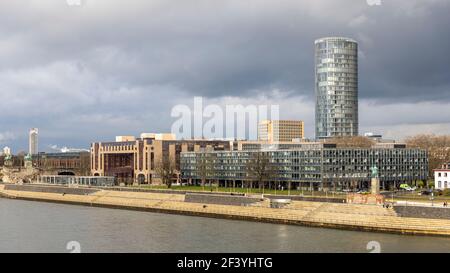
x=439, y=184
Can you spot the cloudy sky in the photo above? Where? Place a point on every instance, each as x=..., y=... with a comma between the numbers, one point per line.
x=113, y=67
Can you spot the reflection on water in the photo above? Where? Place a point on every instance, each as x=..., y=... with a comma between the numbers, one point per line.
x=45, y=227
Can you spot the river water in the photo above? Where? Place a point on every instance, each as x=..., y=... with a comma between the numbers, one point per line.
x=27, y=226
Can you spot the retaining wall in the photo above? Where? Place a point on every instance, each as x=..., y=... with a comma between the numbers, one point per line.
x=423, y=212
x=49, y=189
x=307, y=198
x=171, y=191
x=220, y=199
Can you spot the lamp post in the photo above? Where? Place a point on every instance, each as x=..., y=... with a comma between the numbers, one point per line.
x=393, y=190
x=432, y=197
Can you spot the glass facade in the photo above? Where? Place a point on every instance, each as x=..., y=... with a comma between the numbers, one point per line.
x=317, y=165
x=336, y=87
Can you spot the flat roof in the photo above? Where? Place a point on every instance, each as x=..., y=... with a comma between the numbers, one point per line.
x=334, y=38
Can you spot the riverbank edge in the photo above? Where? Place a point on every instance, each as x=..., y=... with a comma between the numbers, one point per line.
x=237, y=217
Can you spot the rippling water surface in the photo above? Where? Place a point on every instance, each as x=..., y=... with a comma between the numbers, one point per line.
x=45, y=227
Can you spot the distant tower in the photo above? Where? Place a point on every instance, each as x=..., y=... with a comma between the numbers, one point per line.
x=33, y=141
x=6, y=151
x=336, y=87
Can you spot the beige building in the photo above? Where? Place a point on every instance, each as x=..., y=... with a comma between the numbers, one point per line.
x=133, y=160
x=280, y=130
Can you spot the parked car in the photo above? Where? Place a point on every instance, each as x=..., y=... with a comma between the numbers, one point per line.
x=404, y=186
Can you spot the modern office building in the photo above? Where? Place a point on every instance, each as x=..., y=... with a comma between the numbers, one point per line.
x=315, y=165
x=336, y=87
x=134, y=160
x=280, y=130
x=33, y=141
x=240, y=145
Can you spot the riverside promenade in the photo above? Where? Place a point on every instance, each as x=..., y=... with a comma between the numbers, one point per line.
x=318, y=214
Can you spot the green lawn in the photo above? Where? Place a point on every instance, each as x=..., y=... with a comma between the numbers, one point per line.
x=421, y=198
x=242, y=190
x=398, y=197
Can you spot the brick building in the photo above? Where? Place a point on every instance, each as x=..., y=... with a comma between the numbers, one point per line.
x=133, y=160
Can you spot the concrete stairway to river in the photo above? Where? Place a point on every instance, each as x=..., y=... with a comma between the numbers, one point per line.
x=352, y=216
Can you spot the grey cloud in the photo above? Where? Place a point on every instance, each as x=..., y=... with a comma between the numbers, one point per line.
x=110, y=67
x=235, y=47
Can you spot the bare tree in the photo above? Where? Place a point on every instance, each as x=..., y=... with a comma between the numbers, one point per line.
x=85, y=164
x=205, y=167
x=165, y=168
x=438, y=148
x=260, y=168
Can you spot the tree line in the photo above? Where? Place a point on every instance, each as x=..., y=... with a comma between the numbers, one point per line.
x=260, y=168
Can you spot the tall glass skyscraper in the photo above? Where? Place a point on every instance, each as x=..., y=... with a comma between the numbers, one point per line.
x=33, y=141
x=336, y=87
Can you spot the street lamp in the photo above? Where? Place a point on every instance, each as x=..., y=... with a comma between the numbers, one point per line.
x=393, y=191
x=432, y=197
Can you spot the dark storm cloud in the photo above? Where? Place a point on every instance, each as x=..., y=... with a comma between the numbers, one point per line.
x=405, y=58
x=114, y=67
x=235, y=47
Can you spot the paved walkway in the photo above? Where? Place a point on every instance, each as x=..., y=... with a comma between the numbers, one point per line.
x=347, y=216
x=437, y=204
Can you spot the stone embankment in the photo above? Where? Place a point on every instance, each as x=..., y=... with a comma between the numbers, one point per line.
x=423, y=212
x=319, y=214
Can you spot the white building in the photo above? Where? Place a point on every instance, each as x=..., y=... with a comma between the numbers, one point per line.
x=33, y=141
x=6, y=151
x=442, y=178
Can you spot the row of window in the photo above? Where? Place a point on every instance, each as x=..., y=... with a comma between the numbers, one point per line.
x=440, y=184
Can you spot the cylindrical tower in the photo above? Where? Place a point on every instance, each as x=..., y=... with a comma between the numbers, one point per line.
x=33, y=141
x=336, y=87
